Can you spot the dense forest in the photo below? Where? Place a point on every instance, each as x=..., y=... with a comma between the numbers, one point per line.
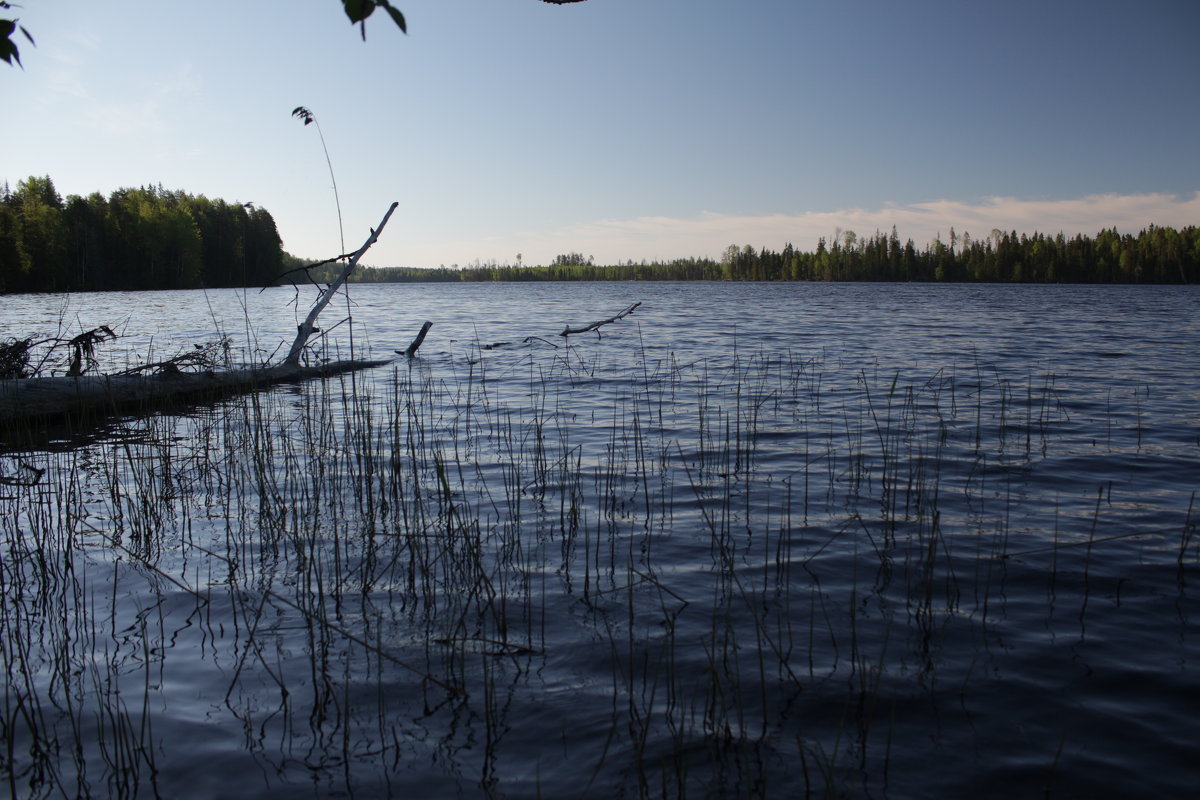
x=145, y=238
x=152, y=238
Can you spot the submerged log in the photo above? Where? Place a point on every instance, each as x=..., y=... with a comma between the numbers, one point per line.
x=78, y=396
x=102, y=395
x=416, y=343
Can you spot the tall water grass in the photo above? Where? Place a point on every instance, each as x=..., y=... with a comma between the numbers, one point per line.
x=540, y=573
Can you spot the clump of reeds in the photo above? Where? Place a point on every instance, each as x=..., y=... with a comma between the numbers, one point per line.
x=741, y=562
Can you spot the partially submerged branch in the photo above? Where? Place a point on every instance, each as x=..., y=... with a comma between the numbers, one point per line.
x=309, y=326
x=416, y=343
x=201, y=374
x=100, y=395
x=194, y=375
x=569, y=331
x=204, y=357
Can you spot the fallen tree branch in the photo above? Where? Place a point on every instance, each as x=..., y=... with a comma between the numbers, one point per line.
x=78, y=396
x=203, y=356
x=305, y=269
x=412, y=348
x=27, y=475
x=309, y=326
x=569, y=331
x=100, y=395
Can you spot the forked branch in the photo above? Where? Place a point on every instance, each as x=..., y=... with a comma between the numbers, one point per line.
x=309, y=326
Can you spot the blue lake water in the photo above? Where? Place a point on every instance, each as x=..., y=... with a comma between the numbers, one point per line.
x=761, y=540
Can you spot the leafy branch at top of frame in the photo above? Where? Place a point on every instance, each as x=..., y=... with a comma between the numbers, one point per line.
x=356, y=10
x=8, y=48
x=359, y=10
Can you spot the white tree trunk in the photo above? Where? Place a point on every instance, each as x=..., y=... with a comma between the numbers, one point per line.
x=309, y=325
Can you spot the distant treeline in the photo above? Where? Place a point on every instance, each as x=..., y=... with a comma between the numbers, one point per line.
x=1156, y=255
x=145, y=238
x=151, y=238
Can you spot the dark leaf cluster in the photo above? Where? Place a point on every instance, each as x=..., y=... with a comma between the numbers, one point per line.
x=14, y=358
x=83, y=348
x=356, y=10
x=359, y=10
x=8, y=48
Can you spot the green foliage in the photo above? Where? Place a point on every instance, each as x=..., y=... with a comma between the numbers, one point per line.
x=39, y=236
x=572, y=260
x=689, y=269
x=144, y=238
x=151, y=238
x=1156, y=255
x=14, y=259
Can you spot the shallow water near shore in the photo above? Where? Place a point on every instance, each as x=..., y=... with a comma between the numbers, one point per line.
x=753, y=540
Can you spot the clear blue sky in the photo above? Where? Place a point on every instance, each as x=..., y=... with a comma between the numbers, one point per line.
x=622, y=129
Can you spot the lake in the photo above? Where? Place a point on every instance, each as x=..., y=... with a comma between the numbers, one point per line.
x=752, y=540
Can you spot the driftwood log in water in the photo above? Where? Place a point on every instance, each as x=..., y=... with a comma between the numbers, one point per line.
x=94, y=396
x=88, y=397
x=411, y=352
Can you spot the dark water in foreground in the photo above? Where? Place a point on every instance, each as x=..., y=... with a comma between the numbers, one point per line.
x=753, y=540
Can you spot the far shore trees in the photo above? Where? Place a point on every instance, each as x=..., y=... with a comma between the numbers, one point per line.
x=154, y=238
x=1157, y=254
x=143, y=238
